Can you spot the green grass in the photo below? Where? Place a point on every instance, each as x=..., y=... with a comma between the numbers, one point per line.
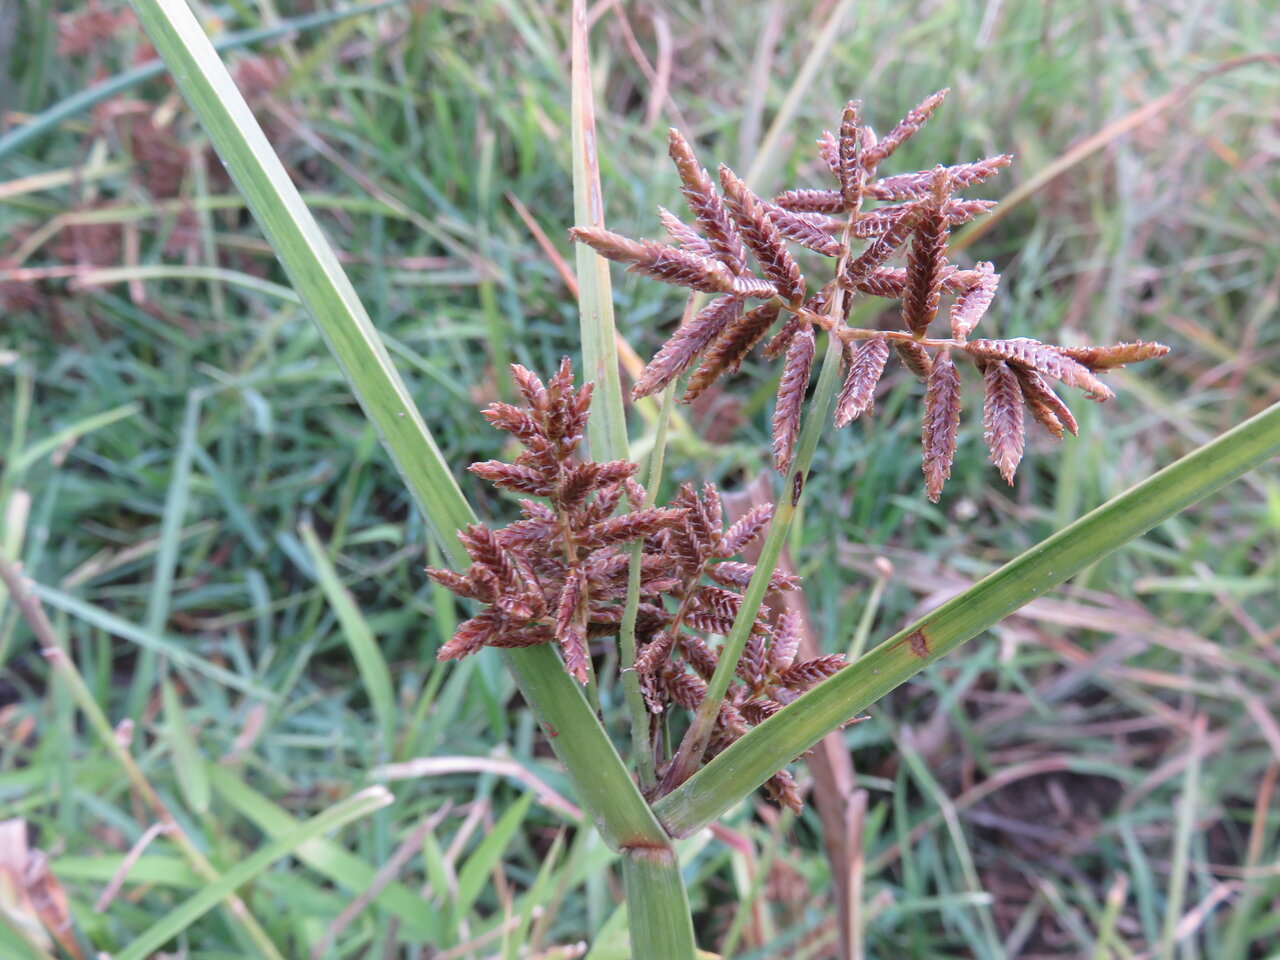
x=166, y=457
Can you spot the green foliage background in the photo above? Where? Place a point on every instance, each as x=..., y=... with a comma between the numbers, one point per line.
x=219, y=469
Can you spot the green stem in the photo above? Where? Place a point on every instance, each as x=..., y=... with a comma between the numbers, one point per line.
x=657, y=906
x=602, y=782
x=699, y=733
x=766, y=748
x=641, y=744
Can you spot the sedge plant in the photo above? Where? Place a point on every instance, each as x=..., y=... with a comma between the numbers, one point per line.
x=718, y=701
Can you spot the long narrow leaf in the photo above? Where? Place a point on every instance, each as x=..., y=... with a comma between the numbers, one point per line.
x=193, y=780
x=46, y=445
x=178, y=919
x=754, y=758
x=608, y=436
x=331, y=860
x=605, y=788
x=372, y=665
x=175, y=651
x=475, y=872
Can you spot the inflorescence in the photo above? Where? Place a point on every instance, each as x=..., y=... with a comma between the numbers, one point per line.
x=561, y=573
x=733, y=227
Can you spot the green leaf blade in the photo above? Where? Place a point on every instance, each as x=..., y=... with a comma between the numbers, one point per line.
x=178, y=919
x=773, y=744
x=475, y=872
x=608, y=434
x=187, y=762
x=371, y=664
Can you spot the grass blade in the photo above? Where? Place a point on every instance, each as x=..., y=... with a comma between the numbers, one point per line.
x=332, y=861
x=374, y=673
x=754, y=758
x=1175, y=896
x=475, y=872
x=175, y=651
x=106, y=276
x=178, y=919
x=16, y=942
x=608, y=434
x=175, y=508
x=187, y=762
x=53, y=441
x=166, y=565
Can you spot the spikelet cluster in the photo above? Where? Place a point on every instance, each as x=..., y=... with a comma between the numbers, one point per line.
x=676, y=662
x=742, y=249
x=560, y=573
x=556, y=575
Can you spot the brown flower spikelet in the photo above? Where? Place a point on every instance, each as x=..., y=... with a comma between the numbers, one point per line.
x=791, y=391
x=972, y=305
x=857, y=396
x=812, y=233
x=941, y=421
x=849, y=167
x=927, y=260
x=1114, y=356
x=786, y=641
x=915, y=358
x=687, y=345
x=905, y=129
x=884, y=282
x=761, y=235
x=1044, y=358
x=1045, y=405
x=777, y=345
x=811, y=201
x=731, y=347
x=913, y=186
x=881, y=248
x=743, y=532
x=686, y=236
x=706, y=205
x=1002, y=425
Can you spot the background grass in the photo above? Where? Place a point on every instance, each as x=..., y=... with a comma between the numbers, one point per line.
x=194, y=491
